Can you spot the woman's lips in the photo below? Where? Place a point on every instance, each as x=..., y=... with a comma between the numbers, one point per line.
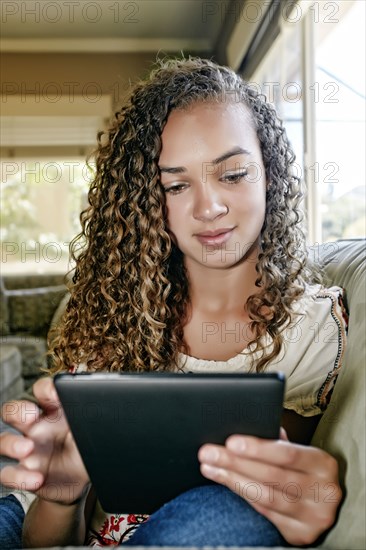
x=215, y=238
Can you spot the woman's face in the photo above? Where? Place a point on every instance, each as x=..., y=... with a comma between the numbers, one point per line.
x=214, y=179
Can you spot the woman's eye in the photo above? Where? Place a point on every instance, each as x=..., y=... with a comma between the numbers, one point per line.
x=234, y=178
x=175, y=189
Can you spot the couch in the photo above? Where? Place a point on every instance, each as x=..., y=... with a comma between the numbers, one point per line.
x=342, y=428
x=27, y=307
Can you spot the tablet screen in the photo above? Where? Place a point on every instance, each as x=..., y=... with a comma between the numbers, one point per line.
x=139, y=434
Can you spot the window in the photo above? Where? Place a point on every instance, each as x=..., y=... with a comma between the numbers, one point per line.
x=315, y=75
x=44, y=177
x=41, y=203
x=340, y=121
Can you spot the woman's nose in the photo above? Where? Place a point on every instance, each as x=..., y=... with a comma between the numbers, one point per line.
x=208, y=205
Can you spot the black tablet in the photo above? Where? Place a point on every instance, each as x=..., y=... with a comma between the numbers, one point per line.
x=139, y=434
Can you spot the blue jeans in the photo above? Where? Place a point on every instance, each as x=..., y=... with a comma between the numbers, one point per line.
x=207, y=516
x=11, y=523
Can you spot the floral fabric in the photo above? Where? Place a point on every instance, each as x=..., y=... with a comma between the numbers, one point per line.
x=112, y=529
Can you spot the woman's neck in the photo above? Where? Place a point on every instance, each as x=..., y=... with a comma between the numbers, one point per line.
x=218, y=291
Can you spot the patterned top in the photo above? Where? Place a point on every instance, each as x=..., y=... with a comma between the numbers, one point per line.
x=311, y=358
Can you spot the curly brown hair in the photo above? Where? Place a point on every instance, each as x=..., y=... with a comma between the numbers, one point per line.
x=130, y=291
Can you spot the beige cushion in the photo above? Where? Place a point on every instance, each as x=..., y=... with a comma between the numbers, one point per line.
x=342, y=429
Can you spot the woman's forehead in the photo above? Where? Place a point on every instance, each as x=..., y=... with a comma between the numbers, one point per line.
x=210, y=128
x=214, y=110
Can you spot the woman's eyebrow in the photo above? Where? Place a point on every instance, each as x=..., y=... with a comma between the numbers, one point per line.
x=177, y=170
x=230, y=153
x=218, y=160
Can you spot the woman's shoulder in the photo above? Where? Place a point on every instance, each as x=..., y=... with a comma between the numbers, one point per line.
x=314, y=346
x=318, y=291
x=320, y=320
x=319, y=301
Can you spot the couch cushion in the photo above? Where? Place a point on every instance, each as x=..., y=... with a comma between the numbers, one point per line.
x=33, y=350
x=31, y=310
x=342, y=429
x=11, y=382
x=28, y=302
x=4, y=311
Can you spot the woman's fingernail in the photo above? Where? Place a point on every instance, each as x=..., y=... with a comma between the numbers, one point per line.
x=210, y=471
x=237, y=445
x=23, y=447
x=210, y=455
x=33, y=482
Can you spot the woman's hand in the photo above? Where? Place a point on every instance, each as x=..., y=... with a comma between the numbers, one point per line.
x=49, y=463
x=294, y=486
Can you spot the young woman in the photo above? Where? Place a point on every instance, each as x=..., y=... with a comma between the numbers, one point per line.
x=191, y=258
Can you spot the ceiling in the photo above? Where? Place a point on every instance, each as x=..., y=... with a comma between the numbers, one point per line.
x=107, y=26
x=112, y=25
